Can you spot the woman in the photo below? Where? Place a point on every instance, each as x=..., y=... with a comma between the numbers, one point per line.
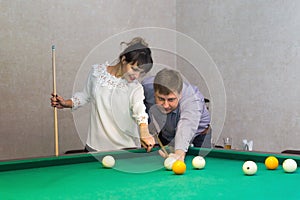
x=116, y=98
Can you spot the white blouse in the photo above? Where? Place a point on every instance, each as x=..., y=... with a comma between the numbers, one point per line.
x=117, y=108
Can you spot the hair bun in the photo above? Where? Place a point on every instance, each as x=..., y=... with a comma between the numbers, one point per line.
x=136, y=40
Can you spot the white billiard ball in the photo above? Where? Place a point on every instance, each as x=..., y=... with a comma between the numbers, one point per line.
x=198, y=162
x=249, y=168
x=108, y=161
x=289, y=165
x=168, y=163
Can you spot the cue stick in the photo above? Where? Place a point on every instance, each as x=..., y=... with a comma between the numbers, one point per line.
x=157, y=138
x=54, y=93
x=161, y=145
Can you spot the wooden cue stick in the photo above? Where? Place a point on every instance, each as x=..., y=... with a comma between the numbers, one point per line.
x=161, y=145
x=54, y=93
x=156, y=135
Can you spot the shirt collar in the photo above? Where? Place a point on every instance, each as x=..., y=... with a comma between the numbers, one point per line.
x=176, y=110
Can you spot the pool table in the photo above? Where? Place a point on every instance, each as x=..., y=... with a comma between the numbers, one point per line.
x=141, y=175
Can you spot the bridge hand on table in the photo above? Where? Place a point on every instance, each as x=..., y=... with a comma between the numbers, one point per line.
x=178, y=155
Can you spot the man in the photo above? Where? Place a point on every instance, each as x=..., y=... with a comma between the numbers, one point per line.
x=177, y=111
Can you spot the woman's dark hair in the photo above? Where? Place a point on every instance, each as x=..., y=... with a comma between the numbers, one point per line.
x=137, y=51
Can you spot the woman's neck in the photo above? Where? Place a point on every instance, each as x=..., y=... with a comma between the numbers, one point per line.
x=115, y=70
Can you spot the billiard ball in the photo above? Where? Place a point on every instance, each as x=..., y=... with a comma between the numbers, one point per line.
x=179, y=167
x=289, y=165
x=168, y=163
x=108, y=161
x=198, y=162
x=271, y=162
x=249, y=168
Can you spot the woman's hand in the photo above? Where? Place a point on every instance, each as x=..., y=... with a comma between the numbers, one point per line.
x=147, y=140
x=60, y=103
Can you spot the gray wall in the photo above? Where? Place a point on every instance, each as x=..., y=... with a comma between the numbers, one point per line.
x=254, y=46
x=28, y=30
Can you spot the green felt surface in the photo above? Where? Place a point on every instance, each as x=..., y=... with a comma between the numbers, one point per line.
x=142, y=176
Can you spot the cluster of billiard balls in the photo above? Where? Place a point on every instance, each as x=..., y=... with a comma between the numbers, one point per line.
x=271, y=163
x=179, y=167
x=170, y=163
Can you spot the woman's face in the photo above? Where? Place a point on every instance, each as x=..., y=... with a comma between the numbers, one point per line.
x=131, y=71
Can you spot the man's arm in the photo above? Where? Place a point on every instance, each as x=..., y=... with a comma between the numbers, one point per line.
x=191, y=107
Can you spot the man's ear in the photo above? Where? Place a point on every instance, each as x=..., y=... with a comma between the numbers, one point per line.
x=179, y=95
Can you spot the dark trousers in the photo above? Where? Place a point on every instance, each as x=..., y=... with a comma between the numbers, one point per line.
x=203, y=140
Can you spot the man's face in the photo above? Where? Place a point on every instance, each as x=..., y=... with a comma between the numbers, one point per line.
x=167, y=102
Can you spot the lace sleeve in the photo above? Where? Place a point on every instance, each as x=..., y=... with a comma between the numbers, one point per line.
x=78, y=100
x=138, y=106
x=81, y=98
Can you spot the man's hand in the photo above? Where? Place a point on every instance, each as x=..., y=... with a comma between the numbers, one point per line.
x=178, y=154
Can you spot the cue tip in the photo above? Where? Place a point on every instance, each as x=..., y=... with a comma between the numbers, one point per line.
x=53, y=47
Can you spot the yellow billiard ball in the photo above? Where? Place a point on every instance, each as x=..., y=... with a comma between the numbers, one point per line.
x=179, y=167
x=271, y=162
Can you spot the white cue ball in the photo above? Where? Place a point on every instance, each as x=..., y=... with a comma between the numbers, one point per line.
x=289, y=165
x=108, y=161
x=249, y=168
x=168, y=163
x=198, y=162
